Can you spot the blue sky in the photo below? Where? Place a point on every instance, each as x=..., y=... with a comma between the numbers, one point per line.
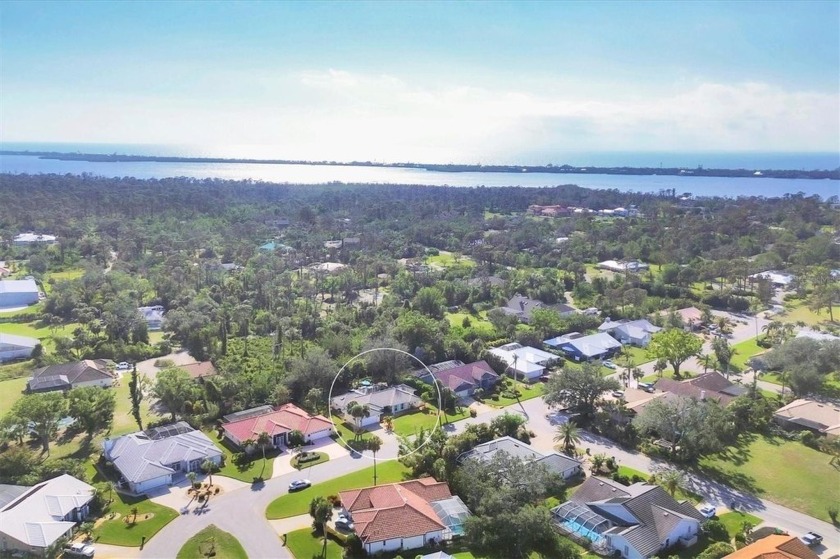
x=424, y=81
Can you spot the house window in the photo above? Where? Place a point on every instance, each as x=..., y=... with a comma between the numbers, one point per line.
x=626, y=550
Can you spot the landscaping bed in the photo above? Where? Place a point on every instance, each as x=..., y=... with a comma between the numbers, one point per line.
x=212, y=542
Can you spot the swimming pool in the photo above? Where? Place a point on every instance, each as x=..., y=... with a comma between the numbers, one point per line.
x=581, y=530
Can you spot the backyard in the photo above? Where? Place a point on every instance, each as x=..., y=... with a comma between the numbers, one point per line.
x=786, y=472
x=297, y=503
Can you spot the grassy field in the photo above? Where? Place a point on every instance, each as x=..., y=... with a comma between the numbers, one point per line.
x=223, y=544
x=115, y=531
x=798, y=311
x=638, y=356
x=785, y=472
x=10, y=392
x=252, y=471
x=37, y=308
x=32, y=330
x=448, y=260
x=411, y=423
x=744, y=351
x=305, y=545
x=477, y=323
x=630, y=472
x=527, y=391
x=734, y=521
x=294, y=504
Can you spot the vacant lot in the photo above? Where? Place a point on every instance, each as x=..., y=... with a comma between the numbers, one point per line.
x=785, y=472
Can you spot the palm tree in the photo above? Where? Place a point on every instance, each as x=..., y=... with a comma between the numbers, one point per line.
x=567, y=435
x=598, y=461
x=191, y=476
x=671, y=480
x=263, y=440
x=358, y=412
x=134, y=511
x=660, y=366
x=321, y=512
x=209, y=466
x=374, y=444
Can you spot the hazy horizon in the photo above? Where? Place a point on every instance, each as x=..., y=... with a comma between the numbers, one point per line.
x=462, y=82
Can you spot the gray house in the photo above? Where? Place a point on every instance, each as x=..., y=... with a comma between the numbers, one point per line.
x=380, y=400
x=18, y=293
x=522, y=307
x=16, y=347
x=561, y=464
x=71, y=375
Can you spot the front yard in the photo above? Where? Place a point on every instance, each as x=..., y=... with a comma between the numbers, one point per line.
x=304, y=544
x=253, y=469
x=786, y=472
x=212, y=540
x=294, y=504
x=427, y=418
x=507, y=398
x=121, y=526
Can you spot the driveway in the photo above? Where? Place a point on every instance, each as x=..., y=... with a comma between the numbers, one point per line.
x=148, y=369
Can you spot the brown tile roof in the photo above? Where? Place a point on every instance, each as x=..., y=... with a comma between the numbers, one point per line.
x=708, y=385
x=285, y=419
x=396, y=510
x=775, y=547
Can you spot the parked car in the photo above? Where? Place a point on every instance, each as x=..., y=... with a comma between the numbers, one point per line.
x=617, y=394
x=709, y=511
x=79, y=550
x=647, y=387
x=609, y=364
x=343, y=523
x=811, y=539
x=123, y=366
x=299, y=484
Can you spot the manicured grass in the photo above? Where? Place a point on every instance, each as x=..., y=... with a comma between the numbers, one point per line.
x=256, y=469
x=477, y=323
x=32, y=330
x=224, y=544
x=37, y=308
x=304, y=544
x=322, y=457
x=734, y=521
x=527, y=391
x=744, y=351
x=294, y=504
x=785, y=472
x=448, y=259
x=10, y=392
x=411, y=423
x=630, y=472
x=797, y=311
x=124, y=422
x=117, y=532
x=639, y=356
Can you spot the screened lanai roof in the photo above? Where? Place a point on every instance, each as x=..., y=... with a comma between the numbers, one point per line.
x=581, y=516
x=452, y=512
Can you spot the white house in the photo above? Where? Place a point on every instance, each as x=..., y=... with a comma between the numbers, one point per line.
x=34, y=518
x=778, y=279
x=635, y=522
x=153, y=316
x=634, y=332
x=71, y=375
x=156, y=457
x=27, y=239
x=525, y=362
x=380, y=400
x=18, y=293
x=16, y=347
x=407, y=515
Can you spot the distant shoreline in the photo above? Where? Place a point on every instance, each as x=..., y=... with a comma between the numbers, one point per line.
x=451, y=168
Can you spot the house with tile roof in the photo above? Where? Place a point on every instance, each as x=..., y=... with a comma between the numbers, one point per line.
x=156, y=457
x=33, y=518
x=775, y=547
x=90, y=372
x=277, y=423
x=708, y=385
x=380, y=400
x=821, y=417
x=463, y=379
x=18, y=293
x=561, y=464
x=406, y=515
x=16, y=347
x=585, y=348
x=635, y=522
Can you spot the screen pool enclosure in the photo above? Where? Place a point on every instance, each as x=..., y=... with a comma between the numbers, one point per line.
x=580, y=520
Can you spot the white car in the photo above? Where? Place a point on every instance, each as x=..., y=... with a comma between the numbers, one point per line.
x=299, y=484
x=709, y=511
x=79, y=550
x=123, y=366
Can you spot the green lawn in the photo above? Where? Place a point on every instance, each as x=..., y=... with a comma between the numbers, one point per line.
x=448, y=259
x=256, y=469
x=10, y=392
x=222, y=543
x=31, y=330
x=785, y=472
x=322, y=457
x=303, y=544
x=734, y=521
x=527, y=391
x=630, y=472
x=124, y=422
x=477, y=323
x=37, y=308
x=294, y=504
x=744, y=351
x=115, y=531
x=638, y=356
x=797, y=311
x=411, y=423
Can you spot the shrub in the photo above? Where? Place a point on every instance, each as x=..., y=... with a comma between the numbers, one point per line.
x=716, y=551
x=473, y=413
x=495, y=397
x=334, y=500
x=808, y=439
x=716, y=531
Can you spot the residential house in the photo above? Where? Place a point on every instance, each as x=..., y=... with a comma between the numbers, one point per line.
x=157, y=457
x=775, y=546
x=277, y=423
x=692, y=317
x=585, y=348
x=711, y=385
x=522, y=307
x=200, y=370
x=16, y=347
x=633, y=332
x=407, y=515
x=30, y=239
x=328, y=267
x=153, y=316
x=635, y=522
x=34, y=518
x=491, y=281
x=380, y=400
x=71, y=375
x=622, y=266
x=524, y=362
x=819, y=336
x=332, y=244
x=18, y=293
x=806, y=414
x=778, y=279
x=436, y=555
x=350, y=241
x=462, y=379
x=567, y=467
